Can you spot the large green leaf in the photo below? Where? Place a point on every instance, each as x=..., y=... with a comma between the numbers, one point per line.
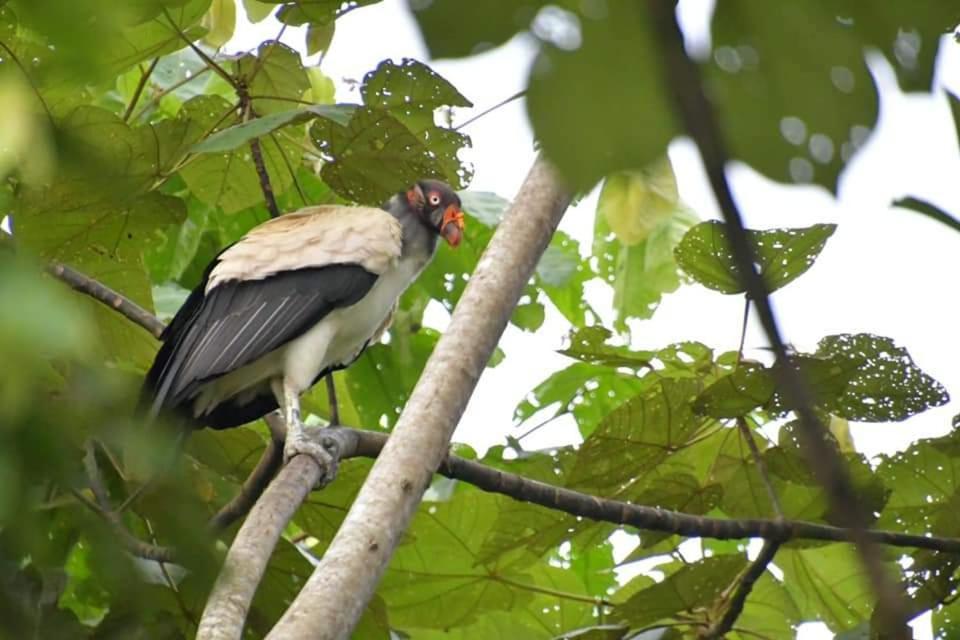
x=636, y=436
x=827, y=583
x=782, y=255
x=451, y=586
x=692, y=587
x=812, y=103
x=373, y=157
x=624, y=120
x=749, y=386
x=275, y=78
x=410, y=91
x=229, y=179
x=480, y=25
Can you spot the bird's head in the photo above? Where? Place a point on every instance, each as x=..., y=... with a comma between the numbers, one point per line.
x=439, y=208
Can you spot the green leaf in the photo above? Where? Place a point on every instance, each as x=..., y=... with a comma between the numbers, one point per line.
x=813, y=103
x=737, y=394
x=561, y=274
x=258, y=10
x=448, y=587
x=693, y=587
x=590, y=344
x=319, y=37
x=233, y=137
x=298, y=12
x=229, y=179
x=635, y=437
x=769, y=611
x=588, y=391
x=485, y=206
x=782, y=255
x=481, y=26
x=885, y=384
x=634, y=203
x=410, y=88
x=925, y=491
x=275, y=77
x=827, y=583
x=220, y=21
x=642, y=272
x=619, y=60
x=374, y=157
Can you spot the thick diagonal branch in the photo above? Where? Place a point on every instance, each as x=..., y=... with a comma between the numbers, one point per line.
x=682, y=78
x=338, y=591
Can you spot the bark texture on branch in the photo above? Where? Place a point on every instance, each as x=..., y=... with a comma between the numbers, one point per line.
x=337, y=593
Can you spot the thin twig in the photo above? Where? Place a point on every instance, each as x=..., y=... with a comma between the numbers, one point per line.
x=682, y=79
x=157, y=97
x=743, y=328
x=504, y=102
x=207, y=60
x=761, y=465
x=754, y=572
x=102, y=293
x=256, y=153
x=144, y=76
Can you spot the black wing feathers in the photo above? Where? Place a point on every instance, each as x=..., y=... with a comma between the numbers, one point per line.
x=240, y=321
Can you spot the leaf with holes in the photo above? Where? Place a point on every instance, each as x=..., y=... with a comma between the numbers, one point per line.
x=409, y=89
x=782, y=255
x=884, y=383
x=372, y=158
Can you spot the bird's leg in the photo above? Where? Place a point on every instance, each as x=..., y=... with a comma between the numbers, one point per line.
x=316, y=445
x=332, y=399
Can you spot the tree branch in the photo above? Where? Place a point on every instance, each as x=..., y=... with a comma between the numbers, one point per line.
x=682, y=79
x=256, y=152
x=337, y=593
x=735, y=608
x=116, y=301
x=229, y=601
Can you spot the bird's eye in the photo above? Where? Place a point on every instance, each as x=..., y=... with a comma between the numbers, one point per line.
x=434, y=198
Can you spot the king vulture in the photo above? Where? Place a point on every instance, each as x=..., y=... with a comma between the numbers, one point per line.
x=297, y=297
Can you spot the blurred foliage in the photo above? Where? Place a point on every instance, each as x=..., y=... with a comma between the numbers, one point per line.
x=126, y=154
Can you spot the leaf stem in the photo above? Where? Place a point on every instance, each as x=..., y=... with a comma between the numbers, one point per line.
x=502, y=103
x=144, y=76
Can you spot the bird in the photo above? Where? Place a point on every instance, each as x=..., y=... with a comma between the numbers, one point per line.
x=297, y=297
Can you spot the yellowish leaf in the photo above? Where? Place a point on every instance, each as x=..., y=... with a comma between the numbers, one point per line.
x=635, y=202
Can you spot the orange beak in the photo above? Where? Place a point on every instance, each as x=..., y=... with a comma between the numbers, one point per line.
x=451, y=227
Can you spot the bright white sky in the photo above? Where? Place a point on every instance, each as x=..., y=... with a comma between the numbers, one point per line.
x=886, y=271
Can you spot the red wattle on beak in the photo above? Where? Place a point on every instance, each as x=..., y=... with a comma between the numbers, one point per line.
x=451, y=227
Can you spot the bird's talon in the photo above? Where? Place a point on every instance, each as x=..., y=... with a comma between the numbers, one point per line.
x=319, y=451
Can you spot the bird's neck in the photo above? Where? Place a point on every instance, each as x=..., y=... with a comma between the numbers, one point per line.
x=418, y=239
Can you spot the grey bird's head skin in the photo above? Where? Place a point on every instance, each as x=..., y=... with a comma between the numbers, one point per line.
x=427, y=210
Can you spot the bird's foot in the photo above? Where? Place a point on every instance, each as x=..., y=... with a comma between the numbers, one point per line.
x=324, y=450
